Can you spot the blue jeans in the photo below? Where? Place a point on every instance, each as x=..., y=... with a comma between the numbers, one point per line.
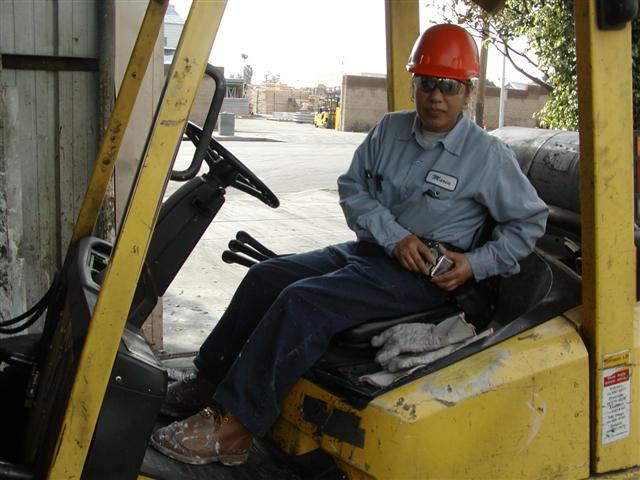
x=284, y=313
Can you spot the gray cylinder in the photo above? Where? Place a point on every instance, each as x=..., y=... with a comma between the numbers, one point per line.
x=551, y=161
x=227, y=124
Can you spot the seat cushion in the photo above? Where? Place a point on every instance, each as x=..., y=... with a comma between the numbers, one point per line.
x=360, y=336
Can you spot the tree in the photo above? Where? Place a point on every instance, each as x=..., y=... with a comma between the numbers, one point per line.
x=292, y=105
x=549, y=28
x=247, y=74
x=247, y=70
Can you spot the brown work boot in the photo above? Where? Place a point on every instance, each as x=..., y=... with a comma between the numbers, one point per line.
x=187, y=396
x=210, y=435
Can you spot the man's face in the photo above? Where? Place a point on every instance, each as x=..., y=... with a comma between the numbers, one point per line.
x=438, y=109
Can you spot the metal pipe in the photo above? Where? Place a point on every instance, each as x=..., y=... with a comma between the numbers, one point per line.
x=503, y=92
x=207, y=129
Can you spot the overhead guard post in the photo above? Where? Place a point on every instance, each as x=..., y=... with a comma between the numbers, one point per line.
x=609, y=257
x=402, y=21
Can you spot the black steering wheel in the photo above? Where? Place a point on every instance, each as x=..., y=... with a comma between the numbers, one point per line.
x=225, y=166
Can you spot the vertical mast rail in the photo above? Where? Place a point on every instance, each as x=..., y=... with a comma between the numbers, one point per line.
x=116, y=294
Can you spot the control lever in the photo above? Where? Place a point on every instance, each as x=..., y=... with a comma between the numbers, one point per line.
x=244, y=237
x=237, y=246
x=230, y=257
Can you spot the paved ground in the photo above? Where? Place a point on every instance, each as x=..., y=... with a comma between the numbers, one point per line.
x=300, y=163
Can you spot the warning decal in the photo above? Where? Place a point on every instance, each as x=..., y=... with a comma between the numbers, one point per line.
x=616, y=401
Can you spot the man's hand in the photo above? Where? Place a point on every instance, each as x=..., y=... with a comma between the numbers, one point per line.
x=459, y=274
x=412, y=253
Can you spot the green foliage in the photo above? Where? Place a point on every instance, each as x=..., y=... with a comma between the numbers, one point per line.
x=247, y=74
x=548, y=26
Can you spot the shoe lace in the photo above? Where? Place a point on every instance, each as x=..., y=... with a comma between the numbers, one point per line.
x=214, y=411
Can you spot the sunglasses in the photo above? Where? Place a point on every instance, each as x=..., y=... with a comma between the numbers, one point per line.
x=448, y=86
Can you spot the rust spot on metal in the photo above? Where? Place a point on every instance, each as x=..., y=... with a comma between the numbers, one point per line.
x=531, y=336
x=170, y=123
x=446, y=403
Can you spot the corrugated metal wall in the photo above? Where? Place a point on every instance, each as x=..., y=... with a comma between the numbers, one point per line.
x=49, y=131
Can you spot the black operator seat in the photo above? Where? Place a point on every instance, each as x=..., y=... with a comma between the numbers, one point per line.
x=360, y=336
x=514, y=296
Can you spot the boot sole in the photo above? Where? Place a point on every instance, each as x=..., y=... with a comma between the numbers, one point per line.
x=229, y=460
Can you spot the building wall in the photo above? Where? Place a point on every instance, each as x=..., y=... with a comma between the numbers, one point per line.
x=239, y=106
x=50, y=132
x=363, y=102
x=172, y=33
x=129, y=15
x=520, y=107
x=202, y=102
x=269, y=98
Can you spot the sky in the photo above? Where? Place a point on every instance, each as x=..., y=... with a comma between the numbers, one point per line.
x=308, y=42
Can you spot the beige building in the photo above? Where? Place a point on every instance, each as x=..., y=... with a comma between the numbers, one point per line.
x=277, y=97
x=523, y=101
x=364, y=102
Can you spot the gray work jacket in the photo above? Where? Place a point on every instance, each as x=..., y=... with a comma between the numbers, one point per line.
x=399, y=185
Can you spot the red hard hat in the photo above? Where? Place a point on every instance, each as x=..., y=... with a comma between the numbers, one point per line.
x=445, y=51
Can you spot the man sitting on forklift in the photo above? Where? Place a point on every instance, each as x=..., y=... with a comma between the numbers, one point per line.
x=429, y=174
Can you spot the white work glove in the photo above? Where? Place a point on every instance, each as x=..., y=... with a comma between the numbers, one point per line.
x=404, y=362
x=418, y=338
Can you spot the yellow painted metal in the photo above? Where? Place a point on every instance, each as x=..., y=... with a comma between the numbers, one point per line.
x=608, y=261
x=113, y=135
x=516, y=410
x=626, y=474
x=117, y=291
x=403, y=27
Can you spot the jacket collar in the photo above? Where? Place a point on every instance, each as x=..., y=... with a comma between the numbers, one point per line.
x=453, y=141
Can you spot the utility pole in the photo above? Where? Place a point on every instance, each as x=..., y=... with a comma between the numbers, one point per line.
x=503, y=92
x=482, y=84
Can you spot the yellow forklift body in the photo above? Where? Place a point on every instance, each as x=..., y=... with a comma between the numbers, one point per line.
x=519, y=409
x=321, y=119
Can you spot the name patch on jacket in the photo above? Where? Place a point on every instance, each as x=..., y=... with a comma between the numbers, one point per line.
x=442, y=180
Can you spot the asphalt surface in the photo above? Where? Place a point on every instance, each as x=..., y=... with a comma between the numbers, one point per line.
x=300, y=164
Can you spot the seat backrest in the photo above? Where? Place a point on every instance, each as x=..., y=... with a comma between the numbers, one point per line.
x=522, y=292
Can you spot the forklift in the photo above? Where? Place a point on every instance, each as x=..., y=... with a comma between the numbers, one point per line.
x=552, y=393
x=328, y=112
